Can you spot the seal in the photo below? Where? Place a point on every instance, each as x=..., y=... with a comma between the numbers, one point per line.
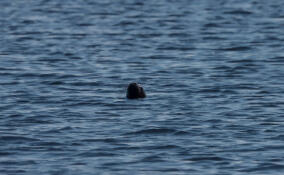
x=135, y=91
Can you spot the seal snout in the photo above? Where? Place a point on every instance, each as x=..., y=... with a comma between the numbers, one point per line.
x=135, y=91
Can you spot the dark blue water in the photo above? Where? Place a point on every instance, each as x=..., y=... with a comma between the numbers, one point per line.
x=213, y=72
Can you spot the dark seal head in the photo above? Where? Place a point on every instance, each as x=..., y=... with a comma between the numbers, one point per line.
x=135, y=91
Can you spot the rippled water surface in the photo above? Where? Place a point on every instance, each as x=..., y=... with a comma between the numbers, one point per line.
x=213, y=71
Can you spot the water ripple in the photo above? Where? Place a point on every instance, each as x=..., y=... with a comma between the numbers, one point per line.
x=212, y=72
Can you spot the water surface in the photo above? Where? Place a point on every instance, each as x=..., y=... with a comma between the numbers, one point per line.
x=213, y=72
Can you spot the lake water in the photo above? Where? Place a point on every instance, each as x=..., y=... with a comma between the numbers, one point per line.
x=213, y=72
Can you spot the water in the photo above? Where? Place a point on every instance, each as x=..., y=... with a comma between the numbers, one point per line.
x=213, y=72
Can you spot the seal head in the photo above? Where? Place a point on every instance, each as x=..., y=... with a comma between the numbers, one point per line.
x=135, y=91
